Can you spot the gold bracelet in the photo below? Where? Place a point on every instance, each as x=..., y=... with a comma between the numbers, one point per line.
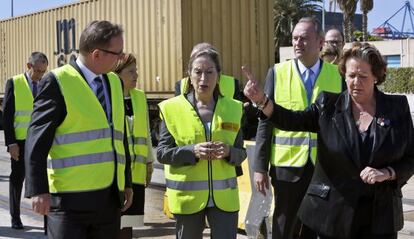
x=261, y=102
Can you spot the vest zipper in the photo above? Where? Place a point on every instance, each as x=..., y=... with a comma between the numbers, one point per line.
x=209, y=163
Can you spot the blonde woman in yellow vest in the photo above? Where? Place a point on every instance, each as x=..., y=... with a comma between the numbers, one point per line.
x=139, y=141
x=17, y=109
x=200, y=145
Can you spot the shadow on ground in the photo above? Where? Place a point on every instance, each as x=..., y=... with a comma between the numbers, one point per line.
x=27, y=232
x=154, y=230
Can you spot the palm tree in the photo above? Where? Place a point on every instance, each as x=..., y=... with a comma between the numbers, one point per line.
x=286, y=13
x=365, y=6
x=348, y=8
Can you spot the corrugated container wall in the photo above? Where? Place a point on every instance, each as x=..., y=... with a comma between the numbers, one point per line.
x=160, y=33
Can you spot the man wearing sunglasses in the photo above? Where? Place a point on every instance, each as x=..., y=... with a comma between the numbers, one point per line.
x=78, y=168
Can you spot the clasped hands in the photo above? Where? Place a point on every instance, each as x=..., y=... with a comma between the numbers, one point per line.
x=371, y=175
x=211, y=150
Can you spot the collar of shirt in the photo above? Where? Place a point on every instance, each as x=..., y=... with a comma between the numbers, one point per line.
x=315, y=68
x=29, y=80
x=89, y=75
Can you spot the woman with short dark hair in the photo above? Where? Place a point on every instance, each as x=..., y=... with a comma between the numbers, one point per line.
x=365, y=150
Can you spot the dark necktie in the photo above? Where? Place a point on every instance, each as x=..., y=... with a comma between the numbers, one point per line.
x=34, y=88
x=100, y=92
x=308, y=83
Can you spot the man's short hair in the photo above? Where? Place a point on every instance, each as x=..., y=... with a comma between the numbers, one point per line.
x=336, y=29
x=316, y=23
x=98, y=34
x=37, y=57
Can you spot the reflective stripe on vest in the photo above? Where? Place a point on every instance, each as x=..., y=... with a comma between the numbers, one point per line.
x=137, y=140
x=138, y=147
x=86, y=136
x=294, y=141
x=226, y=85
x=23, y=106
x=291, y=149
x=189, y=187
x=201, y=185
x=84, y=160
x=85, y=148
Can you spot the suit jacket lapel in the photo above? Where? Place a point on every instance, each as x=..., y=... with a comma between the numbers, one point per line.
x=344, y=122
x=381, y=122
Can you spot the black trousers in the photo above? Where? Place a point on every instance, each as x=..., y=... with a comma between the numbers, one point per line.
x=365, y=236
x=16, y=183
x=68, y=224
x=288, y=197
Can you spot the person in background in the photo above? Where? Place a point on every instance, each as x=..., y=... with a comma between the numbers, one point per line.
x=335, y=38
x=201, y=144
x=139, y=140
x=365, y=150
x=330, y=53
x=292, y=155
x=17, y=109
x=78, y=169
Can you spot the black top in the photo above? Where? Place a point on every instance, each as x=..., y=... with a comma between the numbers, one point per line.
x=366, y=141
x=331, y=200
x=128, y=106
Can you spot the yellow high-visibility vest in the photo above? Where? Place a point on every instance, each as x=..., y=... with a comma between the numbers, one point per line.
x=292, y=149
x=23, y=105
x=189, y=187
x=86, y=146
x=138, y=140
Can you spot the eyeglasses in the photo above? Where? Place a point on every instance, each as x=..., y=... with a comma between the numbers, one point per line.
x=333, y=42
x=119, y=54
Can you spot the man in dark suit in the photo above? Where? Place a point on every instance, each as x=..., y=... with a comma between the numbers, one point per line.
x=17, y=107
x=291, y=155
x=77, y=167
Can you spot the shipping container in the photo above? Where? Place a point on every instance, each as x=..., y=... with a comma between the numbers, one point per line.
x=161, y=33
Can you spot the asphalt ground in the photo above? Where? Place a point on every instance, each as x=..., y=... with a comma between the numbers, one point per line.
x=156, y=224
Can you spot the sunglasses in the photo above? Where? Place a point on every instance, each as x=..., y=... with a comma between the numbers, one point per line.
x=119, y=54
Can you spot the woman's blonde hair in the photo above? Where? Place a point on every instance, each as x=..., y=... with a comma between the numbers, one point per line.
x=127, y=60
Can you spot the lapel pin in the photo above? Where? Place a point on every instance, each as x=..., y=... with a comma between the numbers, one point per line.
x=383, y=122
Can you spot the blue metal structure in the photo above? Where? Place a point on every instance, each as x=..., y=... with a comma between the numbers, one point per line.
x=388, y=31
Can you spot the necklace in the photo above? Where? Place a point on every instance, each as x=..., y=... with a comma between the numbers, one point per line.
x=363, y=121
